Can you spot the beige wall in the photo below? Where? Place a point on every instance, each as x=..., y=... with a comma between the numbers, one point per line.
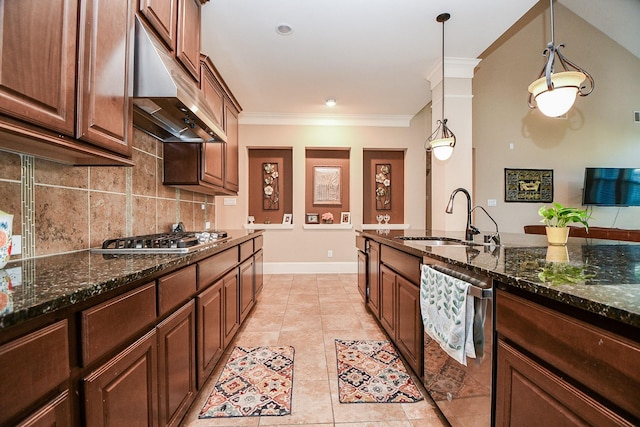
x=304, y=249
x=598, y=131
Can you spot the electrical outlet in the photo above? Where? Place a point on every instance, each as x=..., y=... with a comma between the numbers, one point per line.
x=329, y=253
x=229, y=201
x=16, y=245
x=207, y=225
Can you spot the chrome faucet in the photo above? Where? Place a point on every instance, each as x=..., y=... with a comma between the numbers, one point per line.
x=470, y=230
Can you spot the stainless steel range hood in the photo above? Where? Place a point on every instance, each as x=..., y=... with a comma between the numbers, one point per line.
x=167, y=102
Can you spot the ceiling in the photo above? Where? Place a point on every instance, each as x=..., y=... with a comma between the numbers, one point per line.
x=372, y=56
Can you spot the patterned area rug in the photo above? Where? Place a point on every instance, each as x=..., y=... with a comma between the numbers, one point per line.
x=256, y=381
x=372, y=372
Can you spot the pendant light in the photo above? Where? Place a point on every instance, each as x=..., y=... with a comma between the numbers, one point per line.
x=554, y=93
x=442, y=140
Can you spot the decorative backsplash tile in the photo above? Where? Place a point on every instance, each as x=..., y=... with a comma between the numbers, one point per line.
x=77, y=207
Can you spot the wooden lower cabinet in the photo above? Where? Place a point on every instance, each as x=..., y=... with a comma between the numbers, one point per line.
x=31, y=368
x=528, y=394
x=176, y=364
x=55, y=413
x=258, y=271
x=210, y=312
x=362, y=274
x=388, y=295
x=247, y=293
x=400, y=315
x=231, y=305
x=409, y=329
x=373, y=281
x=123, y=392
x=557, y=369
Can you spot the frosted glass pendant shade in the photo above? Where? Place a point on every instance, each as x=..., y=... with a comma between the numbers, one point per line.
x=442, y=148
x=560, y=99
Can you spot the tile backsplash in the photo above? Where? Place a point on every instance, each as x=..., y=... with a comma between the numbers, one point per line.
x=59, y=208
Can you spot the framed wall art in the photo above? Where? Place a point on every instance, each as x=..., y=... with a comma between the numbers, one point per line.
x=528, y=185
x=327, y=185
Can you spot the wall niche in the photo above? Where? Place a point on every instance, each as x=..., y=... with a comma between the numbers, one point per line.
x=326, y=184
x=270, y=184
x=383, y=186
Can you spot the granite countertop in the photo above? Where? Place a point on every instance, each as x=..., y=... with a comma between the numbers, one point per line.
x=37, y=286
x=599, y=276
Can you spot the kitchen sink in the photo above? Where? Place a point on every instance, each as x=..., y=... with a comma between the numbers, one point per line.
x=438, y=241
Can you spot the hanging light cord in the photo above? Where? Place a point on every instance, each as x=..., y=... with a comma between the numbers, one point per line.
x=442, y=124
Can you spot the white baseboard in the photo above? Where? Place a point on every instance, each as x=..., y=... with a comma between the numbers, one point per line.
x=309, y=267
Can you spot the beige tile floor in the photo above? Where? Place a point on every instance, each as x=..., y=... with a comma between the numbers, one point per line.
x=309, y=312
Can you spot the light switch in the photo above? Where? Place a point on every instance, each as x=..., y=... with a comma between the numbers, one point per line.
x=230, y=201
x=491, y=202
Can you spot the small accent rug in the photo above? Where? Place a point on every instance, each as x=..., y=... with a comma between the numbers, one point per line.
x=372, y=372
x=256, y=381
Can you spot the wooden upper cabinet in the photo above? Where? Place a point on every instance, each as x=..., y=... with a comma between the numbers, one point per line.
x=188, y=36
x=105, y=74
x=211, y=89
x=163, y=17
x=232, y=180
x=37, y=62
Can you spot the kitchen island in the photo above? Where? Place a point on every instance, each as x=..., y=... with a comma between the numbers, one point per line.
x=88, y=337
x=566, y=338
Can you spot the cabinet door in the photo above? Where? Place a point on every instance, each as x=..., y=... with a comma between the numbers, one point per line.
x=246, y=288
x=37, y=62
x=163, y=17
x=123, y=392
x=210, y=319
x=362, y=274
x=409, y=326
x=258, y=268
x=374, y=278
x=231, y=305
x=55, y=413
x=176, y=365
x=31, y=367
x=527, y=394
x=188, y=36
x=231, y=175
x=105, y=74
x=388, y=300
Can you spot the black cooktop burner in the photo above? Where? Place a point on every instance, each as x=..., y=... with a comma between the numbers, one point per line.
x=181, y=242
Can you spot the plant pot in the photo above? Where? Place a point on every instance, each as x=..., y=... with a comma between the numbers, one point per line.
x=557, y=235
x=328, y=221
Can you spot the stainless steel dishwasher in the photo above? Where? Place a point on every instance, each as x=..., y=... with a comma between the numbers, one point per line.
x=463, y=393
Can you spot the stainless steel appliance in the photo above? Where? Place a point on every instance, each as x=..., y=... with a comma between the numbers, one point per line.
x=163, y=243
x=464, y=393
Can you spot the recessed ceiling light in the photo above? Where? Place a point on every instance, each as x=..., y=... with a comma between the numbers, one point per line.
x=330, y=102
x=284, y=29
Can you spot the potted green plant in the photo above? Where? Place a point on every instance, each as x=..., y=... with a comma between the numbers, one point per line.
x=557, y=219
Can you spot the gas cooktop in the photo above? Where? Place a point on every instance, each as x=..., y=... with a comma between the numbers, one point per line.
x=163, y=243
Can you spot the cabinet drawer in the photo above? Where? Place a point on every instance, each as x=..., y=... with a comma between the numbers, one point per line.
x=32, y=366
x=403, y=263
x=361, y=243
x=246, y=249
x=176, y=288
x=111, y=323
x=212, y=268
x=258, y=243
x=600, y=360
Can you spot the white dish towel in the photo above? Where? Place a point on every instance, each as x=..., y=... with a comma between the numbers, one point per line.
x=447, y=313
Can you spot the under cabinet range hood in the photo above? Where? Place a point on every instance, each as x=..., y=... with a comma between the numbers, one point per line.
x=167, y=102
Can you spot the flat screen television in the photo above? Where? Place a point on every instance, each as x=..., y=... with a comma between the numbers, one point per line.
x=611, y=187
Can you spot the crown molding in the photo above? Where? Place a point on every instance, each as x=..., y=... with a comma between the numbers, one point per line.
x=304, y=119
